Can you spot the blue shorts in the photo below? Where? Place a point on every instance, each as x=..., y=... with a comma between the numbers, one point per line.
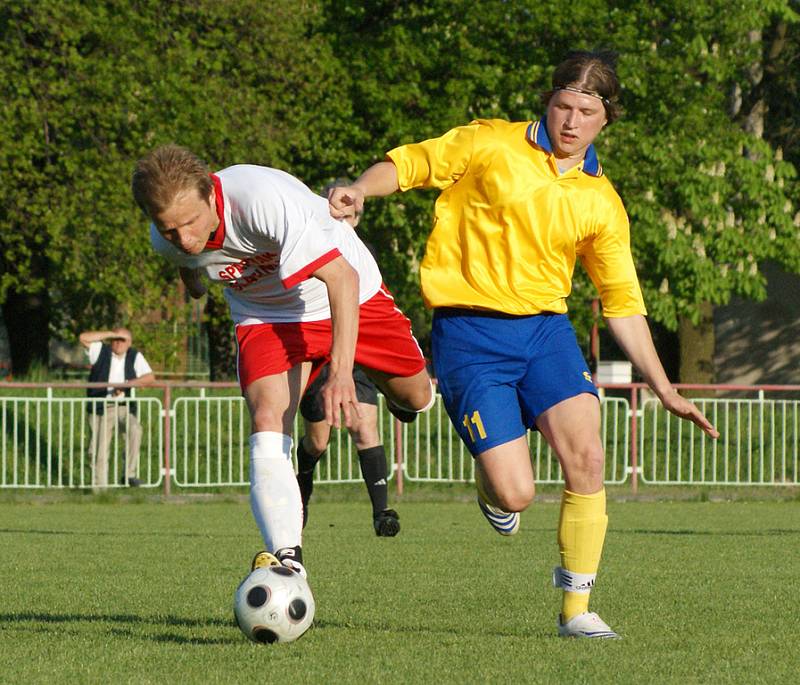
x=498, y=372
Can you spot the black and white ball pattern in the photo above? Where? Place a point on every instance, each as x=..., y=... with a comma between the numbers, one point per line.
x=274, y=604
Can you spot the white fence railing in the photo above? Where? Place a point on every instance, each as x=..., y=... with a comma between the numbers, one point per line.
x=758, y=444
x=202, y=441
x=47, y=442
x=432, y=450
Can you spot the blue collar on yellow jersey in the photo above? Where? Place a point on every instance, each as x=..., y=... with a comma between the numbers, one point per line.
x=537, y=135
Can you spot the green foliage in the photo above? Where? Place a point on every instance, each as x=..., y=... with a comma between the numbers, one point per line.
x=707, y=201
x=324, y=88
x=97, y=85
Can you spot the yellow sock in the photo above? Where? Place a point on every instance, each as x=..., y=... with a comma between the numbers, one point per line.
x=581, y=533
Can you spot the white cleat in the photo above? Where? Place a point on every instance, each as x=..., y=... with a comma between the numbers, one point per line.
x=503, y=522
x=588, y=624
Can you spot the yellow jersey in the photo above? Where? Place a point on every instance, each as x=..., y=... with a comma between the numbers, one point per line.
x=508, y=225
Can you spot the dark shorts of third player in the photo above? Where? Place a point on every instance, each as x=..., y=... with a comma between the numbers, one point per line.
x=312, y=408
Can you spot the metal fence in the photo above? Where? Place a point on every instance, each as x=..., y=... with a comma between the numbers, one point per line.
x=201, y=440
x=46, y=442
x=758, y=444
x=433, y=452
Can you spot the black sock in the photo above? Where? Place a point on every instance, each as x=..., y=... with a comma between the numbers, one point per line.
x=373, y=468
x=305, y=461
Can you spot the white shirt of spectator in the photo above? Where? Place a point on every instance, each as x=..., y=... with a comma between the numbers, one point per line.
x=117, y=372
x=276, y=232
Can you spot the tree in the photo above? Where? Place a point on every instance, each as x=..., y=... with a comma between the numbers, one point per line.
x=704, y=215
x=93, y=88
x=714, y=205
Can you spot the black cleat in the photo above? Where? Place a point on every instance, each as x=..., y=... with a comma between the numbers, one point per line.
x=305, y=480
x=401, y=414
x=292, y=558
x=387, y=523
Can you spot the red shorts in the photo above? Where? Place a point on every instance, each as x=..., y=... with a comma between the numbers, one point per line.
x=384, y=343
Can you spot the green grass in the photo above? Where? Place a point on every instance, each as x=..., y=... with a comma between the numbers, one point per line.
x=113, y=589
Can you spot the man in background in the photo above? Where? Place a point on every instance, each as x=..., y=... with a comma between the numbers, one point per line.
x=114, y=361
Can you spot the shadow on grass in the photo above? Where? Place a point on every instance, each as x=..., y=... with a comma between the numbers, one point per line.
x=48, y=620
x=114, y=533
x=123, y=620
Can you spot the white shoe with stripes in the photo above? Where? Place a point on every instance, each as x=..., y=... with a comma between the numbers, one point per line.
x=503, y=522
x=588, y=624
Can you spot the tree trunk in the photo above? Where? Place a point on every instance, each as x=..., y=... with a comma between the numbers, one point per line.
x=221, y=345
x=27, y=320
x=697, y=347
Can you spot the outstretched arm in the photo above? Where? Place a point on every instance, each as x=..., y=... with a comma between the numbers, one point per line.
x=633, y=336
x=346, y=202
x=88, y=337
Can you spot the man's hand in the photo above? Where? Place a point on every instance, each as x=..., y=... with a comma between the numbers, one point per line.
x=684, y=409
x=191, y=279
x=339, y=396
x=346, y=203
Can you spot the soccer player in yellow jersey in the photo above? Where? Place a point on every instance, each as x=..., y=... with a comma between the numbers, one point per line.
x=520, y=202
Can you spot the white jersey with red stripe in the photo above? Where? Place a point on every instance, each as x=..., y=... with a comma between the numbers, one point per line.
x=274, y=232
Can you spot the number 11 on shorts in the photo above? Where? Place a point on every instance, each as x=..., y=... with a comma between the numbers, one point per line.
x=475, y=420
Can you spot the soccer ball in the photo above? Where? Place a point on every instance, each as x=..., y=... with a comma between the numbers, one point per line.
x=274, y=604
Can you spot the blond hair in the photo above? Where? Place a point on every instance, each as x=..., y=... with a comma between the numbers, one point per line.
x=161, y=175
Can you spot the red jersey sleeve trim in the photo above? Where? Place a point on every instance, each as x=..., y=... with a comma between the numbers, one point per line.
x=218, y=237
x=309, y=269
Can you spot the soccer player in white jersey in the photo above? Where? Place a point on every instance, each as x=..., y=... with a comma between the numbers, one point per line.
x=303, y=292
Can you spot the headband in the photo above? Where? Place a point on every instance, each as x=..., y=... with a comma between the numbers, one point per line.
x=583, y=92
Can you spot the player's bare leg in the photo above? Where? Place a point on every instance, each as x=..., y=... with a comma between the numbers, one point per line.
x=504, y=479
x=572, y=428
x=273, y=400
x=406, y=396
x=274, y=494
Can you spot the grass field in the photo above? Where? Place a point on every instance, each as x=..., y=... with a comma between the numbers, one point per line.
x=139, y=591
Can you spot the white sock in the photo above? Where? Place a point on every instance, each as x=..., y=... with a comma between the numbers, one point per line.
x=274, y=494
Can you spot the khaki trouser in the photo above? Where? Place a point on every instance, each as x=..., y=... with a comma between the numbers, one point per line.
x=116, y=419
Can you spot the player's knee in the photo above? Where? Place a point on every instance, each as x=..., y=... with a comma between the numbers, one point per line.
x=365, y=438
x=591, y=460
x=315, y=444
x=421, y=398
x=517, y=498
x=266, y=418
